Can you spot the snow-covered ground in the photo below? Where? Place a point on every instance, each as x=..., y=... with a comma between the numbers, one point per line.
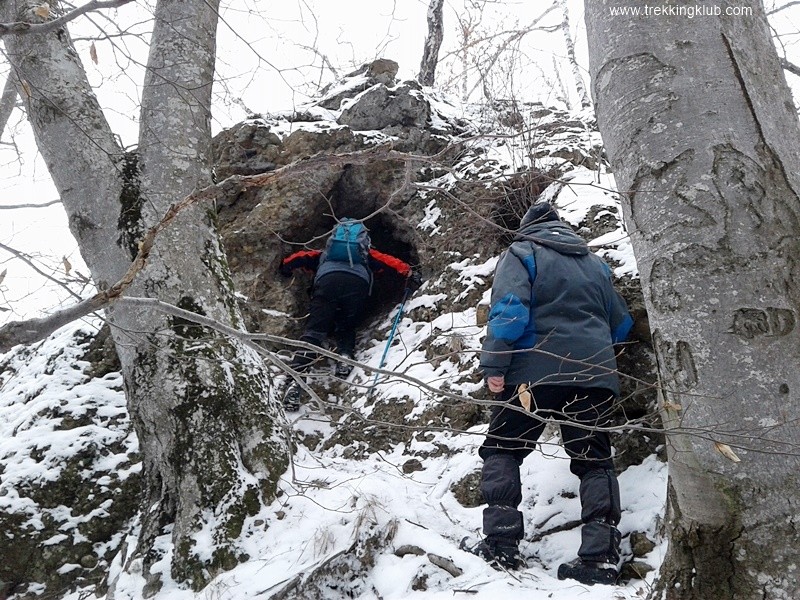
x=331, y=504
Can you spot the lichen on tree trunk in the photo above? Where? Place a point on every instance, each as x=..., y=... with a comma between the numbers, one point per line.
x=211, y=451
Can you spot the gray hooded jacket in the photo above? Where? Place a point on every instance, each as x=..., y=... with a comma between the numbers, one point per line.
x=554, y=313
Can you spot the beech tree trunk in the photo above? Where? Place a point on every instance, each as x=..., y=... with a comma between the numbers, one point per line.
x=430, y=52
x=211, y=449
x=700, y=128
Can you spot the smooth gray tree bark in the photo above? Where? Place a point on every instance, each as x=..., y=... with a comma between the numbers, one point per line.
x=211, y=446
x=8, y=100
x=700, y=128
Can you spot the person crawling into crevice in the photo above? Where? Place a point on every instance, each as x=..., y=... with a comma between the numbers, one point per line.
x=344, y=274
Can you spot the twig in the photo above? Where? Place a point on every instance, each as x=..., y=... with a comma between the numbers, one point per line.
x=30, y=205
x=21, y=27
x=563, y=527
x=446, y=514
x=785, y=6
x=27, y=260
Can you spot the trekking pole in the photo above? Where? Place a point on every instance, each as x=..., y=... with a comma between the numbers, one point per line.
x=389, y=341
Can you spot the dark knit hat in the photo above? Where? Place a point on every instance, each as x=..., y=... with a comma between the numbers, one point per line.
x=539, y=213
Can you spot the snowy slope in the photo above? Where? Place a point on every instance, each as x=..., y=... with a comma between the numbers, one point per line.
x=333, y=507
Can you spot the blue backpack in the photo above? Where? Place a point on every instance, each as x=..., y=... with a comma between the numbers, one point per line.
x=349, y=242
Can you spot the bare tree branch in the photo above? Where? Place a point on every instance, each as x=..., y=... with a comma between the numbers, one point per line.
x=33, y=330
x=250, y=338
x=30, y=205
x=27, y=260
x=514, y=37
x=742, y=437
x=785, y=6
x=788, y=66
x=23, y=27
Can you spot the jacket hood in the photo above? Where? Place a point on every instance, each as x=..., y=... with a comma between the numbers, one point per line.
x=539, y=213
x=556, y=235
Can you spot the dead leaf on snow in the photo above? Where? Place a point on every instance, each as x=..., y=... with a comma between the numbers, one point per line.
x=43, y=10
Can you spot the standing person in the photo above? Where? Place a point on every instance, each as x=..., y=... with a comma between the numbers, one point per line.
x=548, y=352
x=342, y=283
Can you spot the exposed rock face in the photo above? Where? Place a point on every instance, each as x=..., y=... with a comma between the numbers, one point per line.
x=70, y=463
x=382, y=71
x=248, y=150
x=380, y=107
x=263, y=225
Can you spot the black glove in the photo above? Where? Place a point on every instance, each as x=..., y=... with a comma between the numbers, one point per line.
x=285, y=270
x=414, y=281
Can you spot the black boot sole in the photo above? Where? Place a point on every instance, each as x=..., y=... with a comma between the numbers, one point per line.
x=588, y=576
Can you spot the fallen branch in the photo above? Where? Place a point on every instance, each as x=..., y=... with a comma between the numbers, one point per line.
x=445, y=564
x=34, y=330
x=538, y=537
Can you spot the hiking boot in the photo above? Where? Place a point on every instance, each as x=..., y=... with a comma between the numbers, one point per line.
x=589, y=572
x=343, y=370
x=292, y=397
x=498, y=553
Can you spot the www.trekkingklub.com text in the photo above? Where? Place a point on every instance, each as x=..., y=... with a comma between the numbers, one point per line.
x=668, y=10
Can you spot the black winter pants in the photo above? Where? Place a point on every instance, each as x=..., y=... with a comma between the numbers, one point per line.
x=337, y=304
x=513, y=435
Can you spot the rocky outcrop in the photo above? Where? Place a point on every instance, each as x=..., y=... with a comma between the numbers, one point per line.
x=379, y=72
x=380, y=107
x=70, y=464
x=441, y=203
